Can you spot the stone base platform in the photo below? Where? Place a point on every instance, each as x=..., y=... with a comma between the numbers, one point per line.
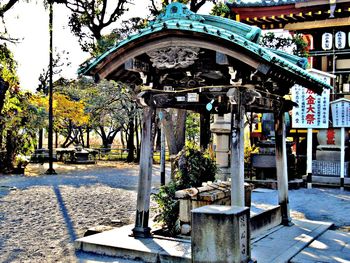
x=279, y=244
x=328, y=180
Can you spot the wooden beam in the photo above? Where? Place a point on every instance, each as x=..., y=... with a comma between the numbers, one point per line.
x=291, y=16
x=237, y=153
x=308, y=14
x=300, y=15
x=114, y=60
x=327, y=23
x=283, y=17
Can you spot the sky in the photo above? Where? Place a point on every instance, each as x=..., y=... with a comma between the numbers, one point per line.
x=29, y=23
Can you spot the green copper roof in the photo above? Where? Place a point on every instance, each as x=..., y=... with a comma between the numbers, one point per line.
x=178, y=17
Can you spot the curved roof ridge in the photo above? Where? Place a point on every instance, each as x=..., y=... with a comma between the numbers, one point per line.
x=299, y=61
x=235, y=33
x=251, y=33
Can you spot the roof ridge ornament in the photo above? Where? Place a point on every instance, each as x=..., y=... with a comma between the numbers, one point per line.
x=177, y=10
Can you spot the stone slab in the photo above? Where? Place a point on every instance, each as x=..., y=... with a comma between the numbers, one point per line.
x=332, y=246
x=286, y=242
x=119, y=244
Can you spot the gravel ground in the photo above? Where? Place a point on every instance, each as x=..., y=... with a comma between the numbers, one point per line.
x=41, y=216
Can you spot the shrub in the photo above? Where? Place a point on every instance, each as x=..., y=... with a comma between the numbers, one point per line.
x=192, y=168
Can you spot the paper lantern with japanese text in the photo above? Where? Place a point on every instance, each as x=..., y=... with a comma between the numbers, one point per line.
x=340, y=40
x=327, y=41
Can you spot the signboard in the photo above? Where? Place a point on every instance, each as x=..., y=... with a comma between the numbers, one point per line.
x=192, y=97
x=341, y=113
x=313, y=110
x=327, y=41
x=340, y=40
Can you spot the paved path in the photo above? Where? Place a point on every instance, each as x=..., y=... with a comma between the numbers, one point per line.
x=330, y=247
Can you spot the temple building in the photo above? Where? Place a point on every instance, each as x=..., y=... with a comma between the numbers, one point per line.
x=325, y=25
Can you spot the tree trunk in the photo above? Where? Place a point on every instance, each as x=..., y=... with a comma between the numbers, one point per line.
x=158, y=140
x=169, y=133
x=88, y=137
x=175, y=141
x=130, y=144
x=2, y=126
x=137, y=139
x=10, y=151
x=56, y=139
x=40, y=139
x=122, y=138
x=104, y=138
x=205, y=133
x=180, y=129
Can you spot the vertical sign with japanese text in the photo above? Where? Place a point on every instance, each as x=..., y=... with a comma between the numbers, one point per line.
x=341, y=113
x=313, y=110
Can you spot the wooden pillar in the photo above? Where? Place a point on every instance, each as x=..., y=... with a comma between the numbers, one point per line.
x=204, y=130
x=237, y=155
x=342, y=157
x=162, y=155
x=141, y=228
x=309, y=158
x=281, y=166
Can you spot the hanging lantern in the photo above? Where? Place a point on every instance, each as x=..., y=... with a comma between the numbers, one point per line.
x=340, y=40
x=327, y=40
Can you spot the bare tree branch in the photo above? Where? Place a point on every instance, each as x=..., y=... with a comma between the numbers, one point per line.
x=4, y=8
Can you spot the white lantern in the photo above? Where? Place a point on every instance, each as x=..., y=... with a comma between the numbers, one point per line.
x=327, y=41
x=340, y=40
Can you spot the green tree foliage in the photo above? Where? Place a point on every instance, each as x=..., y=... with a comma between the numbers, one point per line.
x=221, y=9
x=193, y=167
x=296, y=44
x=109, y=104
x=18, y=115
x=192, y=127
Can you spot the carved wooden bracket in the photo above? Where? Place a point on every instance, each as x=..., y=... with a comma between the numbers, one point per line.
x=173, y=57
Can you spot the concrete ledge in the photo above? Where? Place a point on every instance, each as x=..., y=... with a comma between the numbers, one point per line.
x=261, y=222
